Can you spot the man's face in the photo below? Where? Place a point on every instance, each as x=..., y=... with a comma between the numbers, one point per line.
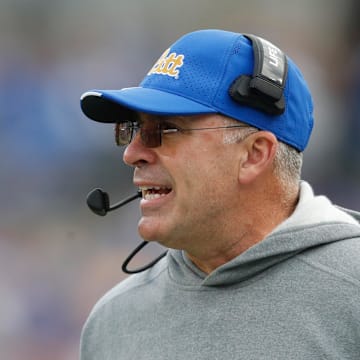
x=188, y=182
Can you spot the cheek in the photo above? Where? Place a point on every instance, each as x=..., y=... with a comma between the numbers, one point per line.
x=206, y=185
x=203, y=175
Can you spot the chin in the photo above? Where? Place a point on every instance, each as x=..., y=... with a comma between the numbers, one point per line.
x=166, y=234
x=161, y=237
x=149, y=230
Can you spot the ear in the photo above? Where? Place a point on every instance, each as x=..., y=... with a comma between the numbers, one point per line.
x=260, y=150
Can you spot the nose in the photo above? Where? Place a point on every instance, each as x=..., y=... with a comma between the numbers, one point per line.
x=136, y=154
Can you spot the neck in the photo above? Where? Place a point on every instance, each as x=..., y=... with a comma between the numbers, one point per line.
x=242, y=232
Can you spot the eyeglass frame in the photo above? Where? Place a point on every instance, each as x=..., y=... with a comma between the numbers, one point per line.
x=152, y=138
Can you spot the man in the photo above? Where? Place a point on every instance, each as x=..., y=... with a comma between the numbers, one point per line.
x=258, y=267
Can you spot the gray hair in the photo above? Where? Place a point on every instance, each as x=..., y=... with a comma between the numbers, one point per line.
x=287, y=162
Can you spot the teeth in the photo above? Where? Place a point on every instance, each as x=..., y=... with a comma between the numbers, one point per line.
x=153, y=188
x=152, y=196
x=153, y=192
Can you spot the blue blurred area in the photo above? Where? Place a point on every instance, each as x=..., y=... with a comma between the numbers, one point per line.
x=56, y=258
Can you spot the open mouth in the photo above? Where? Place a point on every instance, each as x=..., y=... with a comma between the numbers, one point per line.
x=156, y=192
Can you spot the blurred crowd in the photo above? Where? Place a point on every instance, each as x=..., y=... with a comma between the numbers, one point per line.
x=56, y=258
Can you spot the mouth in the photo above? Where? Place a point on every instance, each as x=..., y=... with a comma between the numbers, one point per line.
x=154, y=192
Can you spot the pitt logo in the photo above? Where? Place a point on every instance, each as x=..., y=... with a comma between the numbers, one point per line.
x=168, y=64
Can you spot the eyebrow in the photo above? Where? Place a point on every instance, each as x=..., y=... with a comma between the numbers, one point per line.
x=141, y=117
x=177, y=120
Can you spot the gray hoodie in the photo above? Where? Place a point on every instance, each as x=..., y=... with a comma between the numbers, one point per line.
x=294, y=295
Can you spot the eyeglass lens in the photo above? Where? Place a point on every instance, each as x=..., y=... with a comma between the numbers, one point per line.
x=123, y=133
x=150, y=134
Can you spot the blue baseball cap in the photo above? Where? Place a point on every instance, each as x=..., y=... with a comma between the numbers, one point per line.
x=195, y=75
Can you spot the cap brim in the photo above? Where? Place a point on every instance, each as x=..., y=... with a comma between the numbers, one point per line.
x=112, y=105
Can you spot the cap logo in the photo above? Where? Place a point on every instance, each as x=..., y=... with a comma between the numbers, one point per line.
x=168, y=64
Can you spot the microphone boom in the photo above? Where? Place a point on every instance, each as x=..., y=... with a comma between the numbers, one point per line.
x=99, y=203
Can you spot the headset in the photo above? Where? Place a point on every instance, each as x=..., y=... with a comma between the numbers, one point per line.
x=264, y=89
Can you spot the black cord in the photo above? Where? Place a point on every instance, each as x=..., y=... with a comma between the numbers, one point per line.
x=143, y=268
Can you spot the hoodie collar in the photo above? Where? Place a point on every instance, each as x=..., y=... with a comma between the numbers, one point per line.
x=315, y=221
x=313, y=209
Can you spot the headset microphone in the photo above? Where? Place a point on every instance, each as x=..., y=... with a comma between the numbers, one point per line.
x=99, y=203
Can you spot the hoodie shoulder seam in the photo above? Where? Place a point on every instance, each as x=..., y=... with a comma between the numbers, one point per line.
x=301, y=228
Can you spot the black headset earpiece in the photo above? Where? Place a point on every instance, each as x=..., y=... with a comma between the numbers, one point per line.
x=264, y=89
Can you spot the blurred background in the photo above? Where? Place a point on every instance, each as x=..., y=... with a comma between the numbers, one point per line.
x=56, y=257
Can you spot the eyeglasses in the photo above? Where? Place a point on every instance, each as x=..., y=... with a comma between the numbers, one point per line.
x=152, y=132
